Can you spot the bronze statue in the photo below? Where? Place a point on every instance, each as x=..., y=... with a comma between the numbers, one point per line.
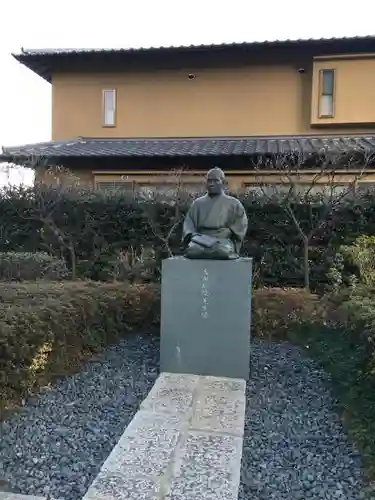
x=216, y=224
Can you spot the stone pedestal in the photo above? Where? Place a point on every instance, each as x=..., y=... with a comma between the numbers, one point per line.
x=206, y=317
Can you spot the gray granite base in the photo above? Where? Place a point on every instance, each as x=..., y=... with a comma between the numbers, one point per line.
x=184, y=443
x=206, y=317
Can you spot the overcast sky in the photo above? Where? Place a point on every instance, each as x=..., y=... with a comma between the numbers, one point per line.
x=25, y=99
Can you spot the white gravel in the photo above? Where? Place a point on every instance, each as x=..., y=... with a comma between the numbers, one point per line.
x=294, y=446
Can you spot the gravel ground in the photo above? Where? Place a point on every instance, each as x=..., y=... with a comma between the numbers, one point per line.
x=294, y=446
x=59, y=441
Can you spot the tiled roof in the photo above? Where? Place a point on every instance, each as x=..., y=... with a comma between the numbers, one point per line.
x=185, y=147
x=45, y=61
x=277, y=42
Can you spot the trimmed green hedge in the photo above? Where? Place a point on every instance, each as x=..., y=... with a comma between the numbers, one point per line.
x=47, y=328
x=344, y=346
x=90, y=227
x=26, y=266
x=338, y=331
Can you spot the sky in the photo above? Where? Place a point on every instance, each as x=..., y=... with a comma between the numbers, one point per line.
x=25, y=98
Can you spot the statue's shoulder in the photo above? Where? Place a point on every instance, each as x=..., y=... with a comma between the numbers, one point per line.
x=199, y=200
x=233, y=201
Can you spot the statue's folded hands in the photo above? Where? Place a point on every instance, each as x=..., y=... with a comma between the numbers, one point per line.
x=204, y=240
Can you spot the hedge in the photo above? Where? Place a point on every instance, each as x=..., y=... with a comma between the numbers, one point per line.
x=337, y=330
x=26, y=266
x=47, y=328
x=344, y=346
x=276, y=310
x=90, y=227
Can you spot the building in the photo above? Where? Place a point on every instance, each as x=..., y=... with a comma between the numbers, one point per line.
x=128, y=117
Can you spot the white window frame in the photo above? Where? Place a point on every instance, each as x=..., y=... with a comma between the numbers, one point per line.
x=108, y=111
x=327, y=99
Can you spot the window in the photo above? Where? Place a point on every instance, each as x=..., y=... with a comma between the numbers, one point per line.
x=115, y=186
x=264, y=189
x=327, y=85
x=328, y=190
x=147, y=189
x=167, y=189
x=192, y=188
x=364, y=187
x=109, y=108
x=299, y=190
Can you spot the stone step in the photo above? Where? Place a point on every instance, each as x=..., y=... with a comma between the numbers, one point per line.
x=184, y=443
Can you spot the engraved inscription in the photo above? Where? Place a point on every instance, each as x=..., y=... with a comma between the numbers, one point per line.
x=204, y=294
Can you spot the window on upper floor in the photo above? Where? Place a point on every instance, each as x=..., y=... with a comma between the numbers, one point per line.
x=343, y=92
x=327, y=89
x=109, y=108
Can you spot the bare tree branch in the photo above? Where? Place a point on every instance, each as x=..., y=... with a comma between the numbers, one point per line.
x=293, y=169
x=177, y=181
x=47, y=202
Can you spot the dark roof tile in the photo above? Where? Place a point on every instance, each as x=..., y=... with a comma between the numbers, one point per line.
x=184, y=147
x=211, y=46
x=45, y=61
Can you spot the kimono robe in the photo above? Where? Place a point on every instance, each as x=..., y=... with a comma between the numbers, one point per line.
x=223, y=219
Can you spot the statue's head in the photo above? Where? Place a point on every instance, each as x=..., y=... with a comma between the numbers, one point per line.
x=215, y=181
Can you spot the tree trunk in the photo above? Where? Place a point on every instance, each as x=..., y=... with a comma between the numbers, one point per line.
x=306, y=263
x=73, y=262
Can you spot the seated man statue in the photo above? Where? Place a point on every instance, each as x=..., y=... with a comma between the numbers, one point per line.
x=216, y=224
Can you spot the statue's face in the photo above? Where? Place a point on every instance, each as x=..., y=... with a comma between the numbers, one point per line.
x=214, y=183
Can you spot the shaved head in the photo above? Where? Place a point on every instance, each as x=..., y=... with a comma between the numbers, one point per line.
x=215, y=181
x=216, y=172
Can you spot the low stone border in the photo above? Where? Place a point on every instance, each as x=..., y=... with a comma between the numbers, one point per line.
x=4, y=495
x=185, y=443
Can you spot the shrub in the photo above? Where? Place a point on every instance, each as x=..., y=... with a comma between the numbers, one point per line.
x=338, y=330
x=357, y=315
x=276, y=310
x=361, y=255
x=130, y=265
x=345, y=349
x=48, y=328
x=86, y=225
x=27, y=266
x=354, y=264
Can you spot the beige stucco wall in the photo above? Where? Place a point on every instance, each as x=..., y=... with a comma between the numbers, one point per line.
x=259, y=98
x=268, y=99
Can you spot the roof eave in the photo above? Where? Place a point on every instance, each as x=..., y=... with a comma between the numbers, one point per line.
x=38, y=155
x=42, y=70
x=19, y=160
x=42, y=62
